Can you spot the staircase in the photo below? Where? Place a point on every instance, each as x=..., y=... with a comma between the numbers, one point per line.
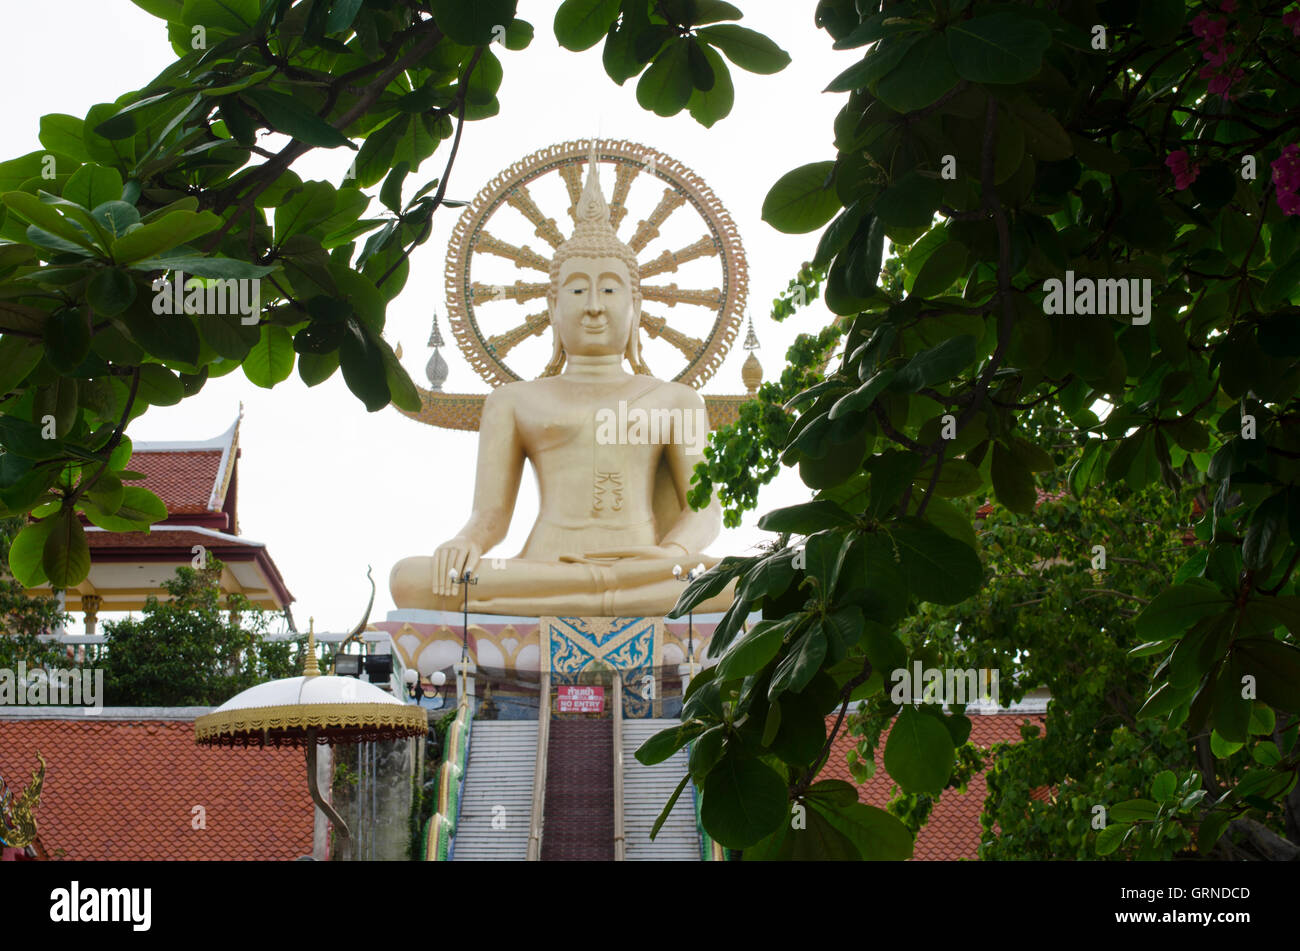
x=646, y=790
x=502, y=757
x=579, y=824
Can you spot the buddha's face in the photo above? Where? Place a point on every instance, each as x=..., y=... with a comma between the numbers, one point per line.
x=593, y=309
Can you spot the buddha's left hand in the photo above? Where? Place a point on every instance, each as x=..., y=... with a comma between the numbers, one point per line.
x=671, y=550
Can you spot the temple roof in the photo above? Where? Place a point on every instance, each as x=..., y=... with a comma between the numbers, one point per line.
x=198, y=482
x=126, y=789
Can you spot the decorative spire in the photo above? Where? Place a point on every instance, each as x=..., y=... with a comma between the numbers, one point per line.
x=309, y=666
x=436, y=368
x=752, y=371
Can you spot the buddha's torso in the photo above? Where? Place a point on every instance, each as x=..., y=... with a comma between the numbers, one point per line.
x=584, y=481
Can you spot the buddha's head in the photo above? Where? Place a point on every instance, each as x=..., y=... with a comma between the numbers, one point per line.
x=595, y=294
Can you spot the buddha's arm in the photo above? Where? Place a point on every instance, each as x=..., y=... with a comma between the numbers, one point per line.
x=694, y=530
x=500, y=467
x=496, y=484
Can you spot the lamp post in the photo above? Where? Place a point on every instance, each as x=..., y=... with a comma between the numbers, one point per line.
x=690, y=615
x=415, y=689
x=465, y=579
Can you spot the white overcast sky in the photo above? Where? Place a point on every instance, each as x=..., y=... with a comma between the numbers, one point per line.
x=331, y=488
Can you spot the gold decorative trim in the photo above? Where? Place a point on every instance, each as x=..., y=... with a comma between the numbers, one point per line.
x=285, y=725
x=510, y=187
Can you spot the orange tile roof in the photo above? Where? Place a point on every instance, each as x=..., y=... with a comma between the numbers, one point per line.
x=126, y=789
x=953, y=831
x=183, y=480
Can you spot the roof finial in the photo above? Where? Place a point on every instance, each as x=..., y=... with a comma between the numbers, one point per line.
x=309, y=666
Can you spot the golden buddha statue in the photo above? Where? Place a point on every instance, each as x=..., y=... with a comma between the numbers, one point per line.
x=613, y=520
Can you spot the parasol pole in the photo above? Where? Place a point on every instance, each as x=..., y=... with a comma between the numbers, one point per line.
x=311, y=669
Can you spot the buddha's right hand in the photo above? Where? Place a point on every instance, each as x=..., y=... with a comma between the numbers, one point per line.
x=451, y=560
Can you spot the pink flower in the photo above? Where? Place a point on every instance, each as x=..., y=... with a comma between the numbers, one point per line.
x=1184, y=171
x=1286, y=179
x=1292, y=19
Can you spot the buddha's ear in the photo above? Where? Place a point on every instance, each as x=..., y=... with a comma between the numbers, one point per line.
x=633, y=350
x=556, y=363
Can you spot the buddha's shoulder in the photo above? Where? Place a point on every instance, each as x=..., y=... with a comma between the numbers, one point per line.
x=679, y=394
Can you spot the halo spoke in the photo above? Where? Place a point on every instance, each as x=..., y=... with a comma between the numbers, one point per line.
x=648, y=230
x=518, y=291
x=658, y=327
x=520, y=199
x=672, y=295
x=669, y=260
x=522, y=256
x=623, y=175
x=532, y=326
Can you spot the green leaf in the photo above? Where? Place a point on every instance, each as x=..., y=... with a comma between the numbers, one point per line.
x=151, y=240
x=139, y=509
x=879, y=836
x=18, y=358
x=285, y=114
x=67, y=339
x=270, y=361
x=1160, y=20
x=1110, y=838
x=316, y=368
x=363, y=367
x=31, y=209
x=919, y=754
x=667, y=742
x=1013, y=483
x=750, y=653
x=748, y=49
x=110, y=292
x=802, y=200
x=998, y=48
x=26, y=553
x=799, y=666
x=197, y=265
x=92, y=185
x=937, y=567
x=805, y=518
x=742, y=800
x=881, y=59
x=1164, y=786
x=1176, y=609
x=1132, y=810
x=64, y=134
x=909, y=202
x=861, y=399
x=665, y=88
x=66, y=555
x=708, y=106
x=401, y=389
x=937, y=364
x=472, y=24
x=943, y=267
x=667, y=810
x=160, y=386
x=921, y=78
x=581, y=24
x=305, y=208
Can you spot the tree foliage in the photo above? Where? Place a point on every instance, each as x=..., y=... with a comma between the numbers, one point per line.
x=177, y=182
x=24, y=619
x=192, y=649
x=1010, y=149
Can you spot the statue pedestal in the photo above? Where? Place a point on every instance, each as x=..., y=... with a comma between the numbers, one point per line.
x=564, y=646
